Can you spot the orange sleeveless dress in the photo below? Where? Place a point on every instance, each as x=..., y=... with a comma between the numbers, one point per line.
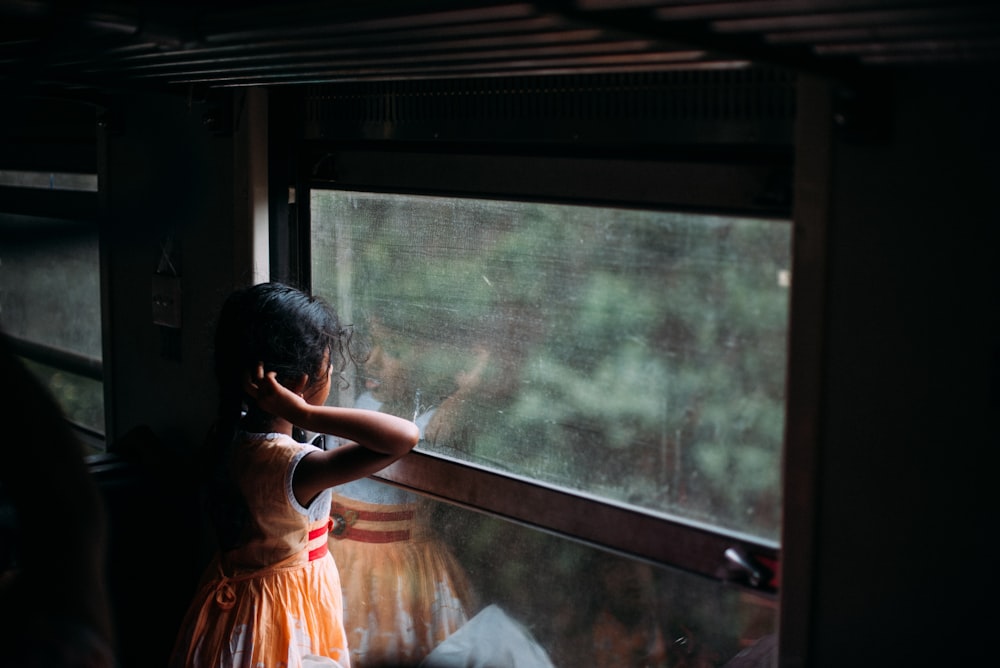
x=275, y=601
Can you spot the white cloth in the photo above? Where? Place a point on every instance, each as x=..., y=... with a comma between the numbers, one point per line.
x=491, y=639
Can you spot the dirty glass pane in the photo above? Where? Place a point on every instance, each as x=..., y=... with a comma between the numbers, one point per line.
x=50, y=295
x=432, y=583
x=637, y=356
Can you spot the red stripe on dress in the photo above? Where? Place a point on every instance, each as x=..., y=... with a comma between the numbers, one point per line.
x=365, y=536
x=319, y=531
x=373, y=515
x=320, y=551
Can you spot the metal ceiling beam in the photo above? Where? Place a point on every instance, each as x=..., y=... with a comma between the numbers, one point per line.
x=107, y=44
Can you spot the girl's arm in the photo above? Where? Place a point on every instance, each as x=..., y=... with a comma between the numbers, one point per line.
x=324, y=469
x=378, y=439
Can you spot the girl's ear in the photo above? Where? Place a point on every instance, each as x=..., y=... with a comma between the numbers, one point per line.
x=300, y=386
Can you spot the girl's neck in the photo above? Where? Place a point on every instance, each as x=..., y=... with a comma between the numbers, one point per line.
x=256, y=422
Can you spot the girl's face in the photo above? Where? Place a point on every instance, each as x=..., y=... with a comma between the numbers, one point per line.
x=386, y=376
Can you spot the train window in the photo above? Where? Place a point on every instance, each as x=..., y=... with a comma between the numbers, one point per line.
x=51, y=306
x=50, y=299
x=635, y=356
x=49, y=180
x=533, y=598
x=50, y=271
x=604, y=384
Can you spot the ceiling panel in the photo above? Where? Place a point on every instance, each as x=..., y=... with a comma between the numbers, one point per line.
x=224, y=43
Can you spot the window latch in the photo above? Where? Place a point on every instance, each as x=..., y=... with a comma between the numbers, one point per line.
x=741, y=565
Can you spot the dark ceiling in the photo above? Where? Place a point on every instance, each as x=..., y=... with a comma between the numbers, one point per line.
x=223, y=43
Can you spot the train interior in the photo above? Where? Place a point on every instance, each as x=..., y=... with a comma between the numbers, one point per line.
x=721, y=276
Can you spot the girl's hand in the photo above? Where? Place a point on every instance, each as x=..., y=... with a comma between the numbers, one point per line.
x=273, y=397
x=469, y=379
x=446, y=424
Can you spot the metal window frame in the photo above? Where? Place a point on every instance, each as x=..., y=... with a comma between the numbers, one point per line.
x=690, y=184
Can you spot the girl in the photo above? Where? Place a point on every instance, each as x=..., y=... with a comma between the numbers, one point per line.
x=272, y=595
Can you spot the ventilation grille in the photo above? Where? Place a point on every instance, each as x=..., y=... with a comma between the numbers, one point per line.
x=738, y=105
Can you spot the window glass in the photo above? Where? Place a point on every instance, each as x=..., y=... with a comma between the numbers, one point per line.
x=633, y=355
x=49, y=180
x=50, y=297
x=81, y=398
x=424, y=578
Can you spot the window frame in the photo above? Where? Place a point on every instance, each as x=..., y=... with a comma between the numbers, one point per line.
x=691, y=184
x=56, y=211
x=62, y=136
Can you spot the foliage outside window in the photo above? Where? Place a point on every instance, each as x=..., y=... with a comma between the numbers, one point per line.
x=632, y=355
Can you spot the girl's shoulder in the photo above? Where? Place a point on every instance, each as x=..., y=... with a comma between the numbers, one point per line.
x=268, y=440
x=271, y=448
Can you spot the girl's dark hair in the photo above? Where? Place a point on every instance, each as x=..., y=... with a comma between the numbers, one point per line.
x=291, y=333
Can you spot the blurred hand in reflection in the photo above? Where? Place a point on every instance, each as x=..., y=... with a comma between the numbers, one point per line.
x=445, y=425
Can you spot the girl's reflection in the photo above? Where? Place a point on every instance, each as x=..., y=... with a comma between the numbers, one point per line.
x=404, y=591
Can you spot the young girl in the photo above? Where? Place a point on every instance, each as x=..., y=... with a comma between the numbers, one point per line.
x=272, y=596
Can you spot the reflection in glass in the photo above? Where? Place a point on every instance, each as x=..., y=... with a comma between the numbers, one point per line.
x=551, y=602
x=634, y=355
x=81, y=398
x=404, y=591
